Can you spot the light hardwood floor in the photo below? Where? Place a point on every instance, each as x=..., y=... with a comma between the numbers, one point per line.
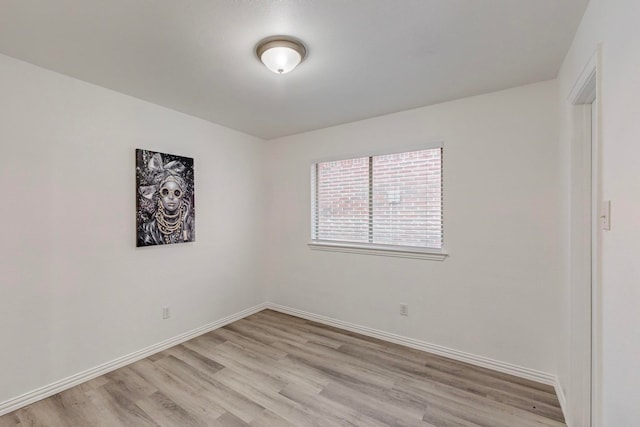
x=271, y=369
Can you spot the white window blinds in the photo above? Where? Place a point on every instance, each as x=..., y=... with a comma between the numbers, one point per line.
x=391, y=199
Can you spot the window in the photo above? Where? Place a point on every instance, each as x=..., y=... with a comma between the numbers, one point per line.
x=389, y=203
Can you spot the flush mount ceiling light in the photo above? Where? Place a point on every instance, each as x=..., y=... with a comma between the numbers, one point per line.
x=281, y=54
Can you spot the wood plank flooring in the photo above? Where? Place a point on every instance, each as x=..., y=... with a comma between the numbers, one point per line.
x=271, y=369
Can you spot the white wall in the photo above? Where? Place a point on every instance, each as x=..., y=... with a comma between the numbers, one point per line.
x=75, y=291
x=498, y=294
x=614, y=25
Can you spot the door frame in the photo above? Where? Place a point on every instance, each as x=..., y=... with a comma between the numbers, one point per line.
x=586, y=95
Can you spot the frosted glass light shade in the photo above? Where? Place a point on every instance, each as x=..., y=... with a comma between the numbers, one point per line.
x=280, y=55
x=281, y=60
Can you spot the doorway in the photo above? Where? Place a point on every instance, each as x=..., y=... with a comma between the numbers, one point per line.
x=581, y=405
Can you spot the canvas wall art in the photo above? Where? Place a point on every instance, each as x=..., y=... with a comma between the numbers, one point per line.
x=165, y=208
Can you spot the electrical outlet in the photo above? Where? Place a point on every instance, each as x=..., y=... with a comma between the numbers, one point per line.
x=166, y=312
x=404, y=309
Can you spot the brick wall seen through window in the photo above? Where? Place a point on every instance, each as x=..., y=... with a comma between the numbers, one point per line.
x=392, y=199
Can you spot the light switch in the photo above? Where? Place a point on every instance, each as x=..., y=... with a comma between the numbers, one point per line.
x=605, y=215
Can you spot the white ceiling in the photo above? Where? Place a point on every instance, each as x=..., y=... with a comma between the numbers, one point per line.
x=366, y=57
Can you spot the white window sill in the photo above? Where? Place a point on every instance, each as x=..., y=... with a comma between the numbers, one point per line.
x=380, y=250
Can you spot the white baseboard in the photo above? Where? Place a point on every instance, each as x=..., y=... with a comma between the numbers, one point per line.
x=562, y=399
x=484, y=362
x=66, y=383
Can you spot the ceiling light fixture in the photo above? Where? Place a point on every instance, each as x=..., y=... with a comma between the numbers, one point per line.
x=281, y=54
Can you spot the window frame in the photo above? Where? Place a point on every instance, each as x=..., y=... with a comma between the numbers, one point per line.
x=372, y=248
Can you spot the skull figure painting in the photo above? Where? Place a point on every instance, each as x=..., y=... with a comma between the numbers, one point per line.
x=165, y=202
